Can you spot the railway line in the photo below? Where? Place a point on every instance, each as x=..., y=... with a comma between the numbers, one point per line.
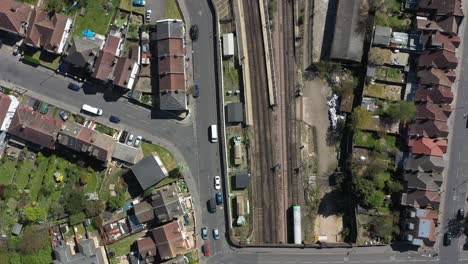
x=266, y=202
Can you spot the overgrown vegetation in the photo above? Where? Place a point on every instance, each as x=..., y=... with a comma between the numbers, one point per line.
x=339, y=78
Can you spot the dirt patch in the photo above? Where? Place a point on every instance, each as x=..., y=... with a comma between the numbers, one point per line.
x=314, y=112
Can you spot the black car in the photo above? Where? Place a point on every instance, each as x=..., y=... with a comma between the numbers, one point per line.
x=114, y=119
x=123, y=137
x=194, y=32
x=36, y=105
x=447, y=239
x=460, y=214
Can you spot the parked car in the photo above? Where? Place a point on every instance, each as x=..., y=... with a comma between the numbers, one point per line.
x=44, y=108
x=15, y=50
x=148, y=15
x=137, y=141
x=460, y=214
x=194, y=32
x=139, y=2
x=447, y=239
x=36, y=105
x=63, y=115
x=216, y=234
x=217, y=184
x=206, y=250
x=196, y=90
x=74, y=86
x=123, y=137
x=130, y=140
x=204, y=233
x=211, y=204
x=219, y=198
x=114, y=119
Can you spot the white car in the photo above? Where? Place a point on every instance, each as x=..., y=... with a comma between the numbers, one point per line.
x=217, y=180
x=148, y=15
x=130, y=140
x=138, y=141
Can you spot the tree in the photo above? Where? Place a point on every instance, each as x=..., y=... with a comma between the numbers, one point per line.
x=75, y=202
x=366, y=193
x=53, y=6
x=376, y=199
x=378, y=56
x=94, y=208
x=403, y=111
x=85, y=178
x=34, y=214
x=76, y=219
x=34, y=239
x=383, y=226
x=98, y=221
x=116, y=202
x=360, y=118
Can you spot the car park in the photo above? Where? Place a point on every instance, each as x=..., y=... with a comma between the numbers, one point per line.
x=63, y=115
x=219, y=198
x=460, y=214
x=36, y=105
x=206, y=250
x=148, y=15
x=216, y=234
x=447, y=239
x=194, y=32
x=204, y=233
x=130, y=139
x=114, y=119
x=217, y=182
x=74, y=86
x=137, y=141
x=123, y=137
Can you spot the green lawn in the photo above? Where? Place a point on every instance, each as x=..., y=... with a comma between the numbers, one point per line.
x=364, y=139
x=95, y=18
x=93, y=183
x=372, y=141
x=172, y=9
x=122, y=247
x=43, y=58
x=36, y=181
x=166, y=157
x=22, y=176
x=7, y=170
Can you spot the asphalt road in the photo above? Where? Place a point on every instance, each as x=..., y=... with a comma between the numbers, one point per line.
x=457, y=177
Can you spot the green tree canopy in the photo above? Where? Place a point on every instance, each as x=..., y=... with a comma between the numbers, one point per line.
x=384, y=226
x=33, y=240
x=94, y=208
x=403, y=111
x=53, y=6
x=360, y=118
x=75, y=202
x=34, y=214
x=116, y=202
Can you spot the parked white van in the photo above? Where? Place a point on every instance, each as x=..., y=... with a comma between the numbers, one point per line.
x=214, y=133
x=91, y=109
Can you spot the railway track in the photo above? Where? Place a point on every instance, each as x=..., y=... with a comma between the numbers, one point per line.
x=265, y=199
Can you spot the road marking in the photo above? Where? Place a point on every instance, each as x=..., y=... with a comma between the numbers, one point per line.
x=130, y=116
x=146, y=122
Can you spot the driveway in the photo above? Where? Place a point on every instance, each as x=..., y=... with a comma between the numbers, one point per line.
x=158, y=9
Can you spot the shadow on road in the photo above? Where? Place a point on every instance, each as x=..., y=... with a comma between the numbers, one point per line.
x=403, y=247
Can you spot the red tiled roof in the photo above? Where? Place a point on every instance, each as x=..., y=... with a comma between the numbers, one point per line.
x=35, y=127
x=123, y=71
x=422, y=199
x=432, y=111
x=429, y=128
x=169, y=240
x=172, y=82
x=146, y=247
x=45, y=31
x=441, y=40
x=4, y=105
x=428, y=146
x=103, y=66
x=170, y=46
x=112, y=43
x=442, y=7
x=171, y=64
x=442, y=59
x=435, y=76
x=438, y=94
x=13, y=15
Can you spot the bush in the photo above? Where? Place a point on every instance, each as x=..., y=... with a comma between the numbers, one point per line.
x=84, y=179
x=77, y=219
